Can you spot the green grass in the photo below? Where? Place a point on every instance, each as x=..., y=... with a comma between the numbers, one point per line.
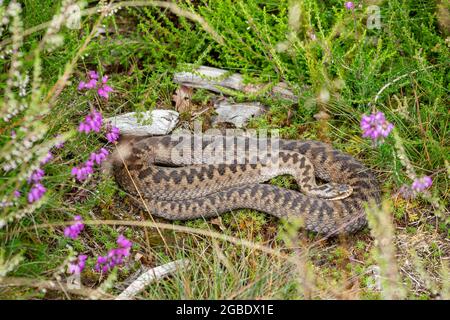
x=141, y=48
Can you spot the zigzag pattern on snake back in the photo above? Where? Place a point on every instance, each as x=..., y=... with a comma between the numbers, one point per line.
x=177, y=192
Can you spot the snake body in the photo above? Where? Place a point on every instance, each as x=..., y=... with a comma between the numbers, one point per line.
x=174, y=189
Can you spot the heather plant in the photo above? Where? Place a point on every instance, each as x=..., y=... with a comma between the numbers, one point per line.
x=371, y=81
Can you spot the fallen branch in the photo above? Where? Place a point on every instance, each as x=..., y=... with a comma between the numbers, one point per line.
x=160, y=121
x=150, y=276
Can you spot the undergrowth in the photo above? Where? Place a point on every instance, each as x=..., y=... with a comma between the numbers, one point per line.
x=339, y=69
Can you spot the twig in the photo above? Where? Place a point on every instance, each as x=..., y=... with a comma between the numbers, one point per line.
x=150, y=276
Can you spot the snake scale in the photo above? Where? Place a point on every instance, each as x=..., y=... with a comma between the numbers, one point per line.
x=177, y=190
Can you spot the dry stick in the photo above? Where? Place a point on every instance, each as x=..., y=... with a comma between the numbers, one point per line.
x=161, y=4
x=150, y=276
x=52, y=285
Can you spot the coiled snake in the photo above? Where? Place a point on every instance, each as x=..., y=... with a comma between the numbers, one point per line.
x=147, y=169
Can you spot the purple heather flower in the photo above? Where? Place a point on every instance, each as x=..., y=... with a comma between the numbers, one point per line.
x=47, y=158
x=113, y=134
x=36, y=176
x=58, y=145
x=78, y=266
x=92, y=122
x=16, y=193
x=13, y=134
x=420, y=184
x=115, y=256
x=375, y=126
x=36, y=192
x=93, y=74
x=102, y=264
x=104, y=89
x=91, y=84
x=74, y=230
x=82, y=172
x=99, y=157
x=349, y=5
x=81, y=85
x=124, y=242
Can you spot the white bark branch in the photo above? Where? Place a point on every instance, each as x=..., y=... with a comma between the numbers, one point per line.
x=149, y=277
x=160, y=121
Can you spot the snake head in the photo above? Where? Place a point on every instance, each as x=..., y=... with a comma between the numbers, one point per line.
x=121, y=152
x=330, y=191
x=338, y=191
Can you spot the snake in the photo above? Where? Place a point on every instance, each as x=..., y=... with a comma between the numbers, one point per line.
x=190, y=178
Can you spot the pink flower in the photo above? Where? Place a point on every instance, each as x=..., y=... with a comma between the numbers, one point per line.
x=13, y=134
x=78, y=266
x=93, y=74
x=113, y=134
x=349, y=5
x=36, y=176
x=47, y=158
x=74, y=230
x=420, y=184
x=104, y=89
x=92, y=122
x=59, y=145
x=37, y=192
x=81, y=85
x=124, y=244
x=375, y=126
x=99, y=157
x=102, y=264
x=82, y=172
x=115, y=256
x=92, y=82
x=16, y=193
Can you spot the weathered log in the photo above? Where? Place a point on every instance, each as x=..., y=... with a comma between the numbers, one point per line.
x=160, y=122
